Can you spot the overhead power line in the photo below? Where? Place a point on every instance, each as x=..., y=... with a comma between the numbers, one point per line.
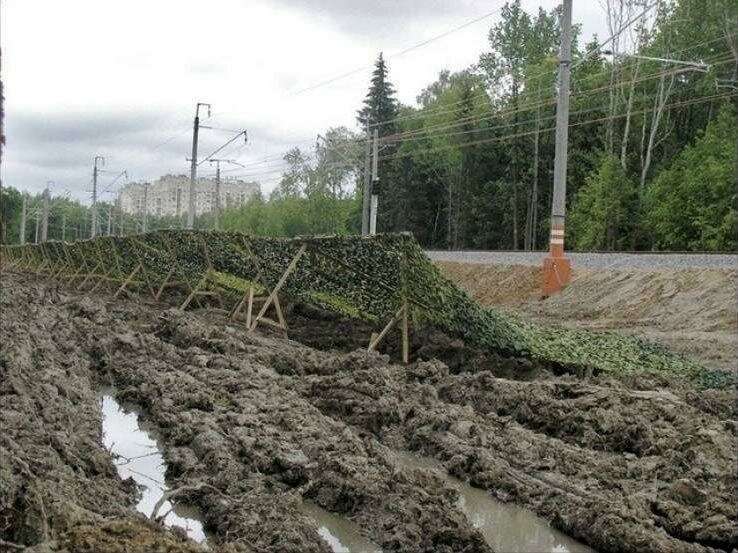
x=401, y=52
x=575, y=124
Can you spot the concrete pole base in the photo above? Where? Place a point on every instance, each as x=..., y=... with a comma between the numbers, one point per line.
x=556, y=275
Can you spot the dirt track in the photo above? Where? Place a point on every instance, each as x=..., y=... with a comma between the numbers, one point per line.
x=254, y=423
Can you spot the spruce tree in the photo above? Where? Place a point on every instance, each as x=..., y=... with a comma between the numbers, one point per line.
x=380, y=105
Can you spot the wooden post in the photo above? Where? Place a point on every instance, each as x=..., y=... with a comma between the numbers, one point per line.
x=405, y=332
x=250, y=308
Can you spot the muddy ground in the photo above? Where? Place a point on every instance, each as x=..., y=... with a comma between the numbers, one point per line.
x=253, y=423
x=693, y=311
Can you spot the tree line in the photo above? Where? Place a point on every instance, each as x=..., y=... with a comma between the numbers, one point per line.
x=652, y=144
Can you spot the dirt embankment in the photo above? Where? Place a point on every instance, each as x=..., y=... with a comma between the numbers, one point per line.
x=693, y=311
x=252, y=424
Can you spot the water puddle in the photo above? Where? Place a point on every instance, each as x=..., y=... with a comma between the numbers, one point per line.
x=339, y=533
x=505, y=527
x=137, y=455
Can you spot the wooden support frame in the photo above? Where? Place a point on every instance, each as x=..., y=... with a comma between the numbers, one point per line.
x=198, y=290
x=78, y=272
x=127, y=281
x=403, y=317
x=87, y=276
x=166, y=283
x=273, y=298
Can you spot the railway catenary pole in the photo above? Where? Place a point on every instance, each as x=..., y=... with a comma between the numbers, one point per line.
x=45, y=215
x=110, y=219
x=38, y=224
x=193, y=165
x=367, y=186
x=120, y=214
x=22, y=230
x=145, y=213
x=375, y=185
x=95, y=172
x=216, y=199
x=556, y=267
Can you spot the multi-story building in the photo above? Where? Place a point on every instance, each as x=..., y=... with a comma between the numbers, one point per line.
x=170, y=195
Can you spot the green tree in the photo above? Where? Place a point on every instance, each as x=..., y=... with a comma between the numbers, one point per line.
x=10, y=208
x=690, y=206
x=517, y=41
x=380, y=106
x=601, y=218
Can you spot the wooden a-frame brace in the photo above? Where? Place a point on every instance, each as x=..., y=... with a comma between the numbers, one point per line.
x=249, y=299
x=402, y=316
x=273, y=298
x=207, y=277
x=197, y=290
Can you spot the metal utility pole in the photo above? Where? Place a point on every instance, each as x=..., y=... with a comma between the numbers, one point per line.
x=375, y=185
x=556, y=267
x=145, y=214
x=95, y=171
x=45, y=215
x=193, y=165
x=110, y=219
x=367, y=187
x=22, y=233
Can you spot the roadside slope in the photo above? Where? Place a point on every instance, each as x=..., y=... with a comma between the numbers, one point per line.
x=690, y=310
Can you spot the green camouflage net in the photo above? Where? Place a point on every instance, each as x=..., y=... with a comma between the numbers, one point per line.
x=365, y=278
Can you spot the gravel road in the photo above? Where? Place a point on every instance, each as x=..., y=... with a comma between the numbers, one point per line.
x=646, y=261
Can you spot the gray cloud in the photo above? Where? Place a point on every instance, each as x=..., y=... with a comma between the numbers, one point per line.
x=61, y=147
x=385, y=17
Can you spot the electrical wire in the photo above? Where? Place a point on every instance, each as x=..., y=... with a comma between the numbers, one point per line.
x=574, y=124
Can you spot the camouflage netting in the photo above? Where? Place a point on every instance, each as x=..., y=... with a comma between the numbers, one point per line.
x=361, y=277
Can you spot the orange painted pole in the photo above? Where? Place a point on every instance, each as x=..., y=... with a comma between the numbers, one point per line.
x=556, y=267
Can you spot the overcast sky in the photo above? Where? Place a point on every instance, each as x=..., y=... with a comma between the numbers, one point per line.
x=121, y=79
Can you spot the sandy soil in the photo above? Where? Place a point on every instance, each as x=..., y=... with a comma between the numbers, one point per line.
x=693, y=311
x=254, y=423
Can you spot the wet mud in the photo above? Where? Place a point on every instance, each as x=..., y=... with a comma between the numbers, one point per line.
x=252, y=426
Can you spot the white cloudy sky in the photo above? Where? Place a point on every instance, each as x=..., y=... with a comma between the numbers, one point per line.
x=120, y=79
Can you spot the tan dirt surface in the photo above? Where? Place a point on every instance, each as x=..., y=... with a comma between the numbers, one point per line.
x=693, y=311
x=254, y=423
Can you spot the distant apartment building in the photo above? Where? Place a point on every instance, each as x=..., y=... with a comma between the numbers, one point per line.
x=170, y=195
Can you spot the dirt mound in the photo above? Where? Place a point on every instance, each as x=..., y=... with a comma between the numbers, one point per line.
x=694, y=311
x=501, y=285
x=252, y=424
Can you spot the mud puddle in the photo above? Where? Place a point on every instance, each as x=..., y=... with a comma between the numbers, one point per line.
x=341, y=535
x=505, y=527
x=137, y=455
